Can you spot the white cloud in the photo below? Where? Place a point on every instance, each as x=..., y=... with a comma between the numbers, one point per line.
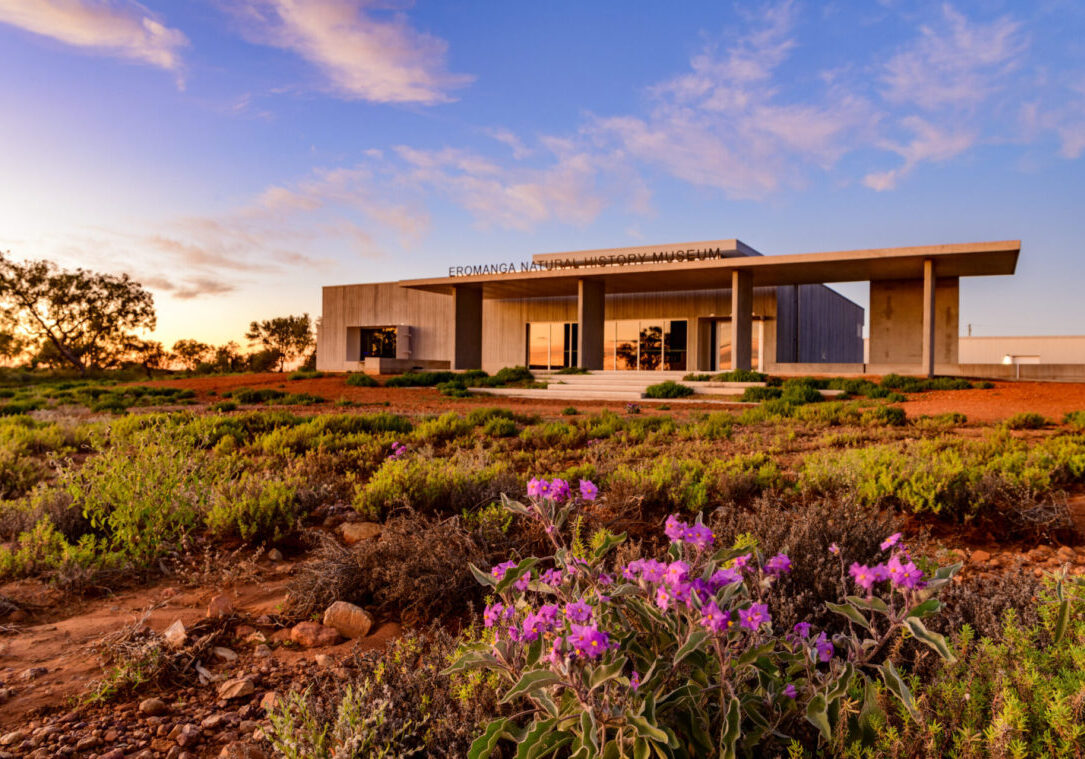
x=725, y=124
x=115, y=27
x=364, y=56
x=960, y=63
x=929, y=143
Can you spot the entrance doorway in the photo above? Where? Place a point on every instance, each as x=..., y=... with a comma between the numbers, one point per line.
x=721, y=341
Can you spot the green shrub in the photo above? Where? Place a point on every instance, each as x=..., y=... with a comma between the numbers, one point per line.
x=553, y=435
x=361, y=379
x=307, y=375
x=223, y=406
x=454, y=389
x=740, y=375
x=573, y=370
x=420, y=379
x=14, y=408
x=674, y=484
x=441, y=429
x=1026, y=421
x=248, y=396
x=496, y=428
x=719, y=425
x=798, y=392
x=668, y=389
x=893, y=416
x=572, y=411
x=431, y=486
x=1075, y=420
x=697, y=378
x=254, y=508
x=940, y=422
x=760, y=394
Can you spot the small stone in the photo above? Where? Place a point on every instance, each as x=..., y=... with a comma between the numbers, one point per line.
x=153, y=707
x=175, y=634
x=241, y=631
x=213, y=721
x=225, y=654
x=351, y=621
x=314, y=634
x=323, y=660
x=256, y=638
x=220, y=606
x=269, y=701
x=236, y=688
x=281, y=636
x=356, y=532
x=247, y=726
x=33, y=673
x=275, y=555
x=980, y=556
x=189, y=736
x=239, y=750
x=261, y=652
x=1066, y=553
x=111, y=735
x=86, y=744
x=117, y=753
x=15, y=736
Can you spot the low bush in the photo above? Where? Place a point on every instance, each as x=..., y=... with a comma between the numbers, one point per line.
x=454, y=389
x=248, y=396
x=223, y=406
x=553, y=435
x=922, y=384
x=307, y=375
x=361, y=379
x=691, y=485
x=442, y=429
x=1026, y=421
x=255, y=508
x=759, y=394
x=496, y=428
x=1075, y=420
x=420, y=379
x=697, y=378
x=396, y=703
x=570, y=411
x=573, y=370
x=940, y=422
x=668, y=389
x=740, y=375
x=15, y=408
x=431, y=486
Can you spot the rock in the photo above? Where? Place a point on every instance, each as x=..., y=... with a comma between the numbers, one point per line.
x=275, y=555
x=239, y=750
x=117, y=753
x=189, y=736
x=225, y=654
x=355, y=532
x=237, y=688
x=86, y=744
x=248, y=726
x=111, y=735
x=281, y=636
x=323, y=660
x=153, y=707
x=314, y=634
x=15, y=736
x=979, y=556
x=243, y=631
x=1066, y=553
x=213, y=721
x=351, y=621
x=175, y=634
x=261, y=652
x=33, y=673
x=256, y=638
x=269, y=701
x=220, y=606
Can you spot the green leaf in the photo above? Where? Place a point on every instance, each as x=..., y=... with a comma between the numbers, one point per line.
x=1063, y=616
x=925, y=609
x=934, y=640
x=843, y=682
x=895, y=683
x=605, y=672
x=483, y=578
x=647, y=730
x=870, y=604
x=732, y=728
x=817, y=714
x=641, y=749
x=471, y=660
x=608, y=544
x=693, y=643
x=515, y=574
x=849, y=611
x=542, y=740
x=534, y=680
x=754, y=654
x=485, y=744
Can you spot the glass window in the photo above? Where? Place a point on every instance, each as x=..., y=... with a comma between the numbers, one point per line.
x=627, y=341
x=538, y=345
x=378, y=342
x=651, y=346
x=570, y=348
x=675, y=346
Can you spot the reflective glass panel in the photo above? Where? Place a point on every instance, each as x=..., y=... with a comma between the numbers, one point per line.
x=538, y=345
x=674, y=346
x=651, y=346
x=625, y=349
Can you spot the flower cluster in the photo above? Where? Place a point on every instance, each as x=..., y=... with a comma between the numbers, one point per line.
x=899, y=570
x=398, y=449
x=558, y=490
x=697, y=535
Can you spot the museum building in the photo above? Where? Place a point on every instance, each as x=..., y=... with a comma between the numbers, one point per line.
x=697, y=307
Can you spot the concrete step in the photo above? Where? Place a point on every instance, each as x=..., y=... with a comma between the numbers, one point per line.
x=558, y=394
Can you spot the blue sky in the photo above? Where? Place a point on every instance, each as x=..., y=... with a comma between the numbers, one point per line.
x=236, y=155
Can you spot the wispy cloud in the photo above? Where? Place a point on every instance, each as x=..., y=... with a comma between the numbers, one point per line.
x=365, y=52
x=929, y=143
x=725, y=123
x=113, y=27
x=958, y=62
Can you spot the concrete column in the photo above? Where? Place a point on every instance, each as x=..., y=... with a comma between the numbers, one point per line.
x=590, y=316
x=928, y=317
x=741, y=319
x=467, y=327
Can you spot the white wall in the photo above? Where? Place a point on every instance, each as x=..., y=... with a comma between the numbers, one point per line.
x=1061, y=349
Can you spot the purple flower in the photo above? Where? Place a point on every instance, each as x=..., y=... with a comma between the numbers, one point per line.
x=559, y=491
x=588, y=490
x=802, y=629
x=700, y=536
x=500, y=570
x=741, y=562
x=674, y=529
x=540, y=622
x=634, y=681
x=523, y=582
x=891, y=541
x=497, y=613
x=552, y=577
x=588, y=642
x=633, y=569
x=881, y=574
x=715, y=619
x=790, y=691
x=778, y=565
x=537, y=488
x=904, y=575
x=653, y=571
x=755, y=616
x=398, y=449
x=683, y=593
x=834, y=548
x=578, y=611
x=605, y=579
x=864, y=575
x=677, y=572
x=556, y=650
x=823, y=647
x=723, y=577
x=664, y=596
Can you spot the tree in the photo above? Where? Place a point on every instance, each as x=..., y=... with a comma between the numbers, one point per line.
x=83, y=318
x=228, y=358
x=288, y=336
x=190, y=353
x=149, y=354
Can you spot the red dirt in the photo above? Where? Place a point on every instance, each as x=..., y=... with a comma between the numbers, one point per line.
x=1052, y=399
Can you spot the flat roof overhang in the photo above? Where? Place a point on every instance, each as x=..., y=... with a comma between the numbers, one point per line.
x=961, y=260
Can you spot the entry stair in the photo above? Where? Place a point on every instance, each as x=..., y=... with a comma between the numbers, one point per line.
x=617, y=386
